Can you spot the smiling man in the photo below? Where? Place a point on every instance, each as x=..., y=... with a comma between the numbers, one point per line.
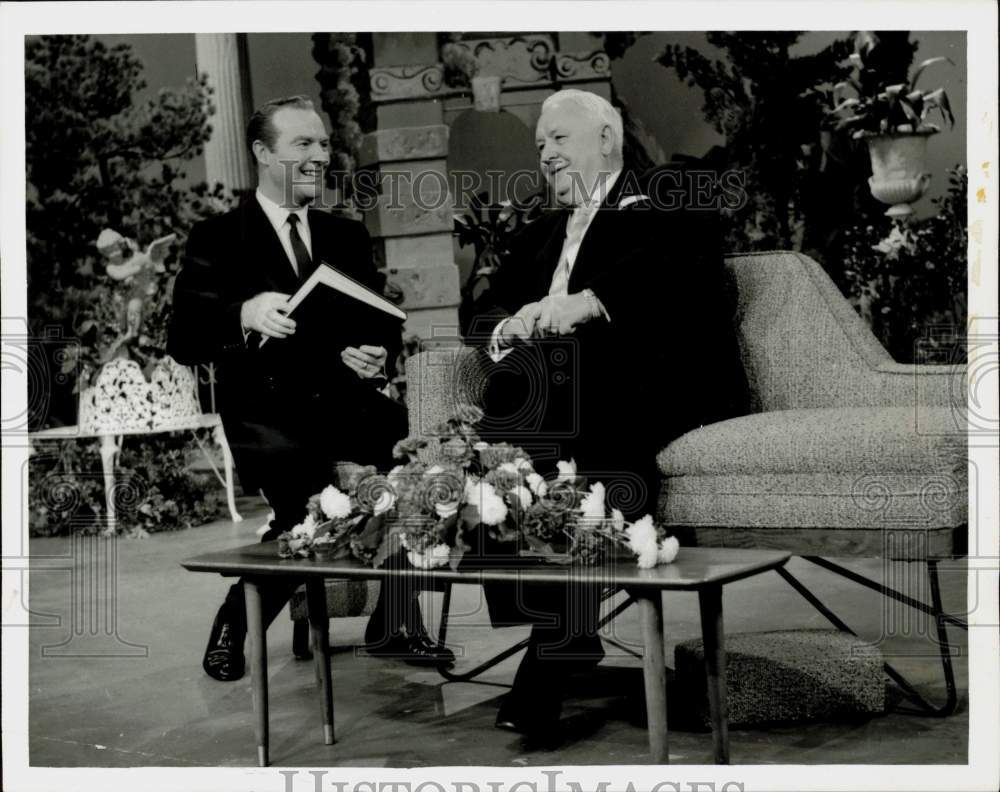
x=607, y=327
x=293, y=408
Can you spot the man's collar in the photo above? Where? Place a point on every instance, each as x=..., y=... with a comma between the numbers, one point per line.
x=602, y=192
x=277, y=214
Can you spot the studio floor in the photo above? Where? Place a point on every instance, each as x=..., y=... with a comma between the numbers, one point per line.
x=119, y=629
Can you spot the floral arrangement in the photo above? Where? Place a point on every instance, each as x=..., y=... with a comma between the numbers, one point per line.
x=453, y=485
x=889, y=109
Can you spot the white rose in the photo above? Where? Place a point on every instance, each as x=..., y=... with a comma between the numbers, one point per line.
x=523, y=494
x=385, y=502
x=592, y=506
x=567, y=470
x=668, y=550
x=334, y=503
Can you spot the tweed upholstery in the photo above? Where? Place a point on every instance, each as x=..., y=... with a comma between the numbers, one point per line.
x=344, y=598
x=438, y=382
x=803, y=345
x=849, y=439
x=785, y=676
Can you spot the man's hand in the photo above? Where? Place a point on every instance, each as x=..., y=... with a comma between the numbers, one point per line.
x=366, y=361
x=560, y=315
x=521, y=326
x=266, y=314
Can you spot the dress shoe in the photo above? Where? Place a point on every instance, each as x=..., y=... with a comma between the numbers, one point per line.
x=223, y=658
x=414, y=649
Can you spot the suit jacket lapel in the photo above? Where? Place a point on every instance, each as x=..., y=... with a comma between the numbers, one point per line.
x=600, y=231
x=263, y=244
x=550, y=253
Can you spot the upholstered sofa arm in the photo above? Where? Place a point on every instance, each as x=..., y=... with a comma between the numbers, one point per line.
x=439, y=381
x=910, y=383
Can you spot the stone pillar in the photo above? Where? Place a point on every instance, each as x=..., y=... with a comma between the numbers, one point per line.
x=224, y=57
x=412, y=221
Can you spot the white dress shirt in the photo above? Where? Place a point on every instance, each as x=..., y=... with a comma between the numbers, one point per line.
x=576, y=229
x=279, y=220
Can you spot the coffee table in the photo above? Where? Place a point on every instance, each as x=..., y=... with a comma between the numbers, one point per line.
x=705, y=570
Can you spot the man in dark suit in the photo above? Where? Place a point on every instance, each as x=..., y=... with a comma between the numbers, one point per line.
x=609, y=334
x=310, y=395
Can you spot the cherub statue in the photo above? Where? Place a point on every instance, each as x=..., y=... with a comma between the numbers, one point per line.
x=137, y=270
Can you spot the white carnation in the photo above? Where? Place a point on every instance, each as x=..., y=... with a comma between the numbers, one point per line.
x=492, y=509
x=648, y=557
x=507, y=467
x=305, y=529
x=334, y=503
x=592, y=506
x=668, y=550
x=536, y=482
x=617, y=520
x=523, y=494
x=642, y=541
x=567, y=470
x=522, y=463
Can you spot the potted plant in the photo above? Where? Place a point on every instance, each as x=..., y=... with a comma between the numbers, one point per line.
x=488, y=228
x=893, y=121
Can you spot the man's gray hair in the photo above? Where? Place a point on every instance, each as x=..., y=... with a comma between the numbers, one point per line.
x=597, y=107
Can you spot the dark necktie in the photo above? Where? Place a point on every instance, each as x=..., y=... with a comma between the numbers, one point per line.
x=303, y=261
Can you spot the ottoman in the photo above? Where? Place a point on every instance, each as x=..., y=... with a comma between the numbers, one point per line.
x=785, y=676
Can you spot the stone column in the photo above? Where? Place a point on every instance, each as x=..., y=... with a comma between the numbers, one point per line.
x=411, y=222
x=224, y=57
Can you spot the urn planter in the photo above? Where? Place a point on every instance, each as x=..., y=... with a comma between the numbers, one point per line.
x=899, y=175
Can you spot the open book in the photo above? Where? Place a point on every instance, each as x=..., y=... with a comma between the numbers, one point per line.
x=331, y=297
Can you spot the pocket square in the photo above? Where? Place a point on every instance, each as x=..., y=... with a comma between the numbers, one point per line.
x=631, y=199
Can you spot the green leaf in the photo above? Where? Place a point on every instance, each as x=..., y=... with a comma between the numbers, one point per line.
x=924, y=64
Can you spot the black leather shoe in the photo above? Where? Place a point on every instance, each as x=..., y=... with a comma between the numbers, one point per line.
x=223, y=658
x=416, y=650
x=540, y=726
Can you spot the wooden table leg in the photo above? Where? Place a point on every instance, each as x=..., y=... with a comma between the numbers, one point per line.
x=710, y=602
x=258, y=666
x=319, y=633
x=654, y=672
